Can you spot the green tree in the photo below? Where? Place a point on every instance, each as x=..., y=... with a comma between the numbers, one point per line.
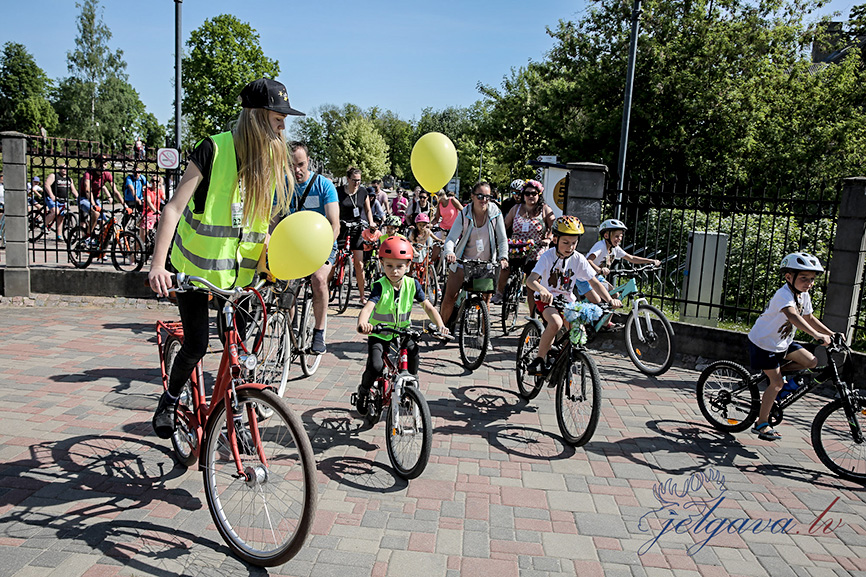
x=357, y=143
x=151, y=131
x=224, y=55
x=24, y=88
x=398, y=135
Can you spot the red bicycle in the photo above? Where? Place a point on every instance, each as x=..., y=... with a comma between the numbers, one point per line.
x=259, y=473
x=425, y=272
x=340, y=286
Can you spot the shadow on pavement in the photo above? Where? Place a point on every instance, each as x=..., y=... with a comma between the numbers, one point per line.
x=135, y=388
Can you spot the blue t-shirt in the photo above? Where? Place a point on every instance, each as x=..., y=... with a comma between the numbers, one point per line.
x=321, y=193
x=137, y=185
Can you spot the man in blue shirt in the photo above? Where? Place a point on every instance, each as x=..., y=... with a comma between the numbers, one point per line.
x=133, y=187
x=321, y=196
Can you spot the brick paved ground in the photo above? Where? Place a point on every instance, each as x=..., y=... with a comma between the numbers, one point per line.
x=86, y=489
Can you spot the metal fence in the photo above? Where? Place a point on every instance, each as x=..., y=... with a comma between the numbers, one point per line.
x=49, y=227
x=721, y=245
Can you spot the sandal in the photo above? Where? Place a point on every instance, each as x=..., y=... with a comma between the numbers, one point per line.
x=766, y=432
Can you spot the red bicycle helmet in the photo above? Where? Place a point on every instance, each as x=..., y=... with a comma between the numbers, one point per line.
x=396, y=247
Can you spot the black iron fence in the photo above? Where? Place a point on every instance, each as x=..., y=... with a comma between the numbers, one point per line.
x=59, y=200
x=721, y=245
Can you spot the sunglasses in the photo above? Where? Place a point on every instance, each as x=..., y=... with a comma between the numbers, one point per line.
x=483, y=196
x=530, y=193
x=423, y=197
x=354, y=180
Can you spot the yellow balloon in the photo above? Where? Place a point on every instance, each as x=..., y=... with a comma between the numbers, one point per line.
x=300, y=245
x=433, y=160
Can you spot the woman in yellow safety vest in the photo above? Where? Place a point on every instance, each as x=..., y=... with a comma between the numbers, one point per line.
x=217, y=221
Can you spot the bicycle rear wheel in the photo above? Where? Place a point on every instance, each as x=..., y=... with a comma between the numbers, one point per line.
x=654, y=352
x=265, y=516
x=432, y=288
x=127, y=252
x=474, y=324
x=184, y=440
x=409, y=433
x=527, y=349
x=79, y=249
x=578, y=399
x=727, y=397
x=510, y=305
x=834, y=442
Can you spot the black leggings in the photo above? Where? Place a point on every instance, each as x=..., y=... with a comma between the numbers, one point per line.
x=375, y=364
x=194, y=315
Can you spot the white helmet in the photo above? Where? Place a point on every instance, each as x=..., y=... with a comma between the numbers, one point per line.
x=517, y=185
x=801, y=261
x=611, y=224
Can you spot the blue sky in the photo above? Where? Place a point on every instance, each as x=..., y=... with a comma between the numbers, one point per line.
x=398, y=55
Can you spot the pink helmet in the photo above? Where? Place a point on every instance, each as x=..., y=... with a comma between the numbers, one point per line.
x=422, y=217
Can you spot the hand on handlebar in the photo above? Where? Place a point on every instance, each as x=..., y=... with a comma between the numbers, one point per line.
x=545, y=296
x=605, y=271
x=825, y=340
x=615, y=303
x=365, y=328
x=451, y=258
x=503, y=263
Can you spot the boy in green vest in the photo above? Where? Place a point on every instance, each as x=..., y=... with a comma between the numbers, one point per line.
x=390, y=305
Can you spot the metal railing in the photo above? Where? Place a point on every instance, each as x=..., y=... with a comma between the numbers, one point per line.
x=762, y=224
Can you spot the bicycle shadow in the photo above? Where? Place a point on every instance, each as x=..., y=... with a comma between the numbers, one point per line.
x=495, y=414
x=705, y=447
x=104, y=487
x=134, y=389
x=329, y=427
x=134, y=328
x=362, y=474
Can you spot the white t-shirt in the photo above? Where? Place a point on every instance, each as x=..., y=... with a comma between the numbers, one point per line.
x=772, y=331
x=559, y=275
x=600, y=252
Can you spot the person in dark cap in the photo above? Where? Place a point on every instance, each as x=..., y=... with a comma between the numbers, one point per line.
x=234, y=183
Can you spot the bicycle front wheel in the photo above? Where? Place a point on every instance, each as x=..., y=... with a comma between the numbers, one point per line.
x=833, y=439
x=79, y=248
x=727, y=397
x=527, y=349
x=344, y=291
x=127, y=252
x=273, y=367
x=184, y=440
x=474, y=332
x=309, y=361
x=264, y=516
x=578, y=399
x=410, y=433
x=652, y=351
x=510, y=306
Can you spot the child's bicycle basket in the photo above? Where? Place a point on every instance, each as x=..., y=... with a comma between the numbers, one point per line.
x=480, y=277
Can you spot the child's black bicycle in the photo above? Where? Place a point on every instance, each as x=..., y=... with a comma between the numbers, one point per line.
x=573, y=373
x=729, y=398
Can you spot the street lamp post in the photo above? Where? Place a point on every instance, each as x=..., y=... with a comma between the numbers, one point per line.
x=178, y=51
x=626, y=107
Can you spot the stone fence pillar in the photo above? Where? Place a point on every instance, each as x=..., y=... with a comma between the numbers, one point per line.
x=585, y=194
x=17, y=274
x=846, y=261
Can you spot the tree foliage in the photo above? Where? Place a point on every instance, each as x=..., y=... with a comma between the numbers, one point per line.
x=356, y=142
x=224, y=55
x=722, y=89
x=24, y=88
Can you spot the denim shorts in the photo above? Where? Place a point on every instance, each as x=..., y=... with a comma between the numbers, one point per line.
x=762, y=360
x=582, y=286
x=84, y=204
x=61, y=204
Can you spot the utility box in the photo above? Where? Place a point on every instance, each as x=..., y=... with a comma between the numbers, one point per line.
x=703, y=277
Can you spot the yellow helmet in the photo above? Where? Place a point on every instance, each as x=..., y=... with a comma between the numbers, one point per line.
x=568, y=226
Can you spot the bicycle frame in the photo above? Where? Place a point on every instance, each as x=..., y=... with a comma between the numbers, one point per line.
x=228, y=382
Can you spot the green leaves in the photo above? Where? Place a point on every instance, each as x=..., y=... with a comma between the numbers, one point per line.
x=224, y=55
x=24, y=88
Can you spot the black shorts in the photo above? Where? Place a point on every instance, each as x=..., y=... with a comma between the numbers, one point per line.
x=762, y=360
x=355, y=242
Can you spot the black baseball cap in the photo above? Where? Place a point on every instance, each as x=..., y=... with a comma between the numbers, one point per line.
x=268, y=94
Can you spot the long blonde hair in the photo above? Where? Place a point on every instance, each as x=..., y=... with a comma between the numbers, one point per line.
x=263, y=164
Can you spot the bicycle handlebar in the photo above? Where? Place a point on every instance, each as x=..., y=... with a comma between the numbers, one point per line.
x=636, y=270
x=184, y=284
x=413, y=333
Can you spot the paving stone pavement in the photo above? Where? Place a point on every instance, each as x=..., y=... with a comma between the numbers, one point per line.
x=87, y=489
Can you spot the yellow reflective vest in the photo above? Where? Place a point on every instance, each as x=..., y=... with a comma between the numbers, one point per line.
x=207, y=243
x=390, y=312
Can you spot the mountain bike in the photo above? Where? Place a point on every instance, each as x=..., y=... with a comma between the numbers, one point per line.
x=729, y=399
x=473, y=315
x=108, y=237
x=288, y=333
x=573, y=373
x=649, y=337
x=259, y=474
x=340, y=285
x=513, y=294
x=409, y=427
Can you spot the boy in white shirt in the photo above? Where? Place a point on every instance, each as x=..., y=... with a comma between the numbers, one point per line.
x=608, y=249
x=555, y=273
x=771, y=340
